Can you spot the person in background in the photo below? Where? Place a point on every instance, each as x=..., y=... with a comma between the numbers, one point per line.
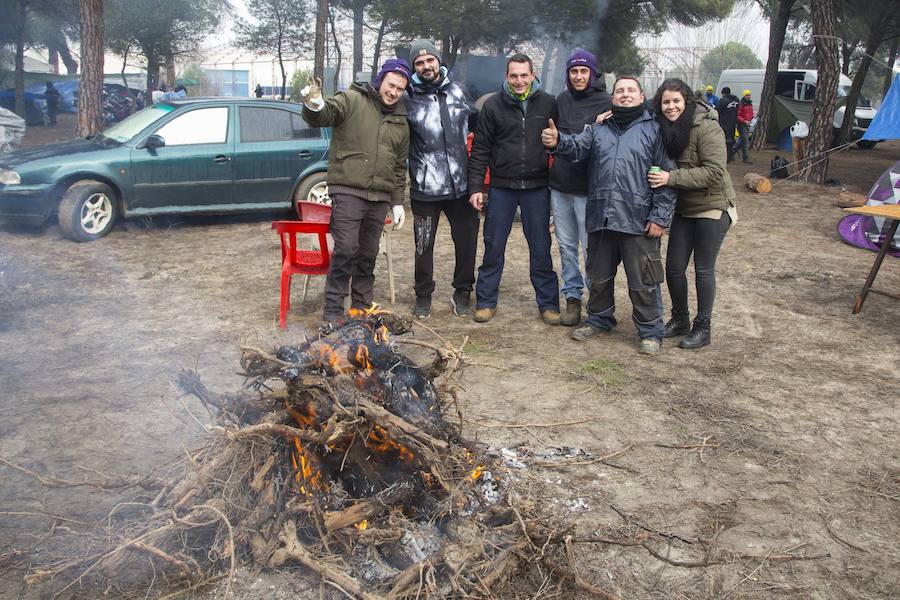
x=366, y=175
x=507, y=139
x=625, y=217
x=258, y=91
x=727, y=109
x=744, y=117
x=578, y=105
x=710, y=97
x=705, y=209
x=51, y=96
x=440, y=116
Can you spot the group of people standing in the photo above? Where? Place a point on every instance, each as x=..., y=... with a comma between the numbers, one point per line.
x=614, y=171
x=735, y=117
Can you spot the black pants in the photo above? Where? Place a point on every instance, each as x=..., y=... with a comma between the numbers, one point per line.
x=703, y=238
x=356, y=227
x=464, y=230
x=640, y=257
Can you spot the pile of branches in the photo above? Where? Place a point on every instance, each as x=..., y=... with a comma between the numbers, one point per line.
x=337, y=456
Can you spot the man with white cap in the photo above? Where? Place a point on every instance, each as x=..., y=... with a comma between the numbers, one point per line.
x=366, y=175
x=440, y=116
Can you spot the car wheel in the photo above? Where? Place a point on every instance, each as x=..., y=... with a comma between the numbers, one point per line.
x=865, y=144
x=87, y=211
x=313, y=189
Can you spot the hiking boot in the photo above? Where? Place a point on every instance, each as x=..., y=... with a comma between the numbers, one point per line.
x=572, y=316
x=483, y=315
x=460, y=302
x=422, y=309
x=586, y=332
x=649, y=346
x=700, y=336
x=678, y=325
x=550, y=317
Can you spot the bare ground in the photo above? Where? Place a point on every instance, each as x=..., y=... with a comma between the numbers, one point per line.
x=780, y=438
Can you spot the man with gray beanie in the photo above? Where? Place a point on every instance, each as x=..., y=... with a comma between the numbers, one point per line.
x=440, y=116
x=578, y=105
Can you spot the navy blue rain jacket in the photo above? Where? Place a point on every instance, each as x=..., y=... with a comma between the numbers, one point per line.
x=619, y=196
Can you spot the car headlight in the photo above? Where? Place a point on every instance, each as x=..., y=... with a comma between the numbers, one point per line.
x=9, y=177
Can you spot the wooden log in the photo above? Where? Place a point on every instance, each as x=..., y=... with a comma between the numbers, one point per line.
x=364, y=509
x=757, y=183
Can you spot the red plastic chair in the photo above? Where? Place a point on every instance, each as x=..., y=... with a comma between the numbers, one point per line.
x=315, y=220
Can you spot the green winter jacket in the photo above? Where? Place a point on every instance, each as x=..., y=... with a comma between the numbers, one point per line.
x=701, y=179
x=369, y=148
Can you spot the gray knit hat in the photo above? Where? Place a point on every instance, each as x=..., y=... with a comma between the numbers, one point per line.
x=421, y=48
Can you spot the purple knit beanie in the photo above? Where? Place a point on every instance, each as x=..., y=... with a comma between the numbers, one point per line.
x=581, y=58
x=393, y=65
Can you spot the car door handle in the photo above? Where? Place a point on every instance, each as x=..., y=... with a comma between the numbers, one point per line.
x=222, y=158
x=304, y=154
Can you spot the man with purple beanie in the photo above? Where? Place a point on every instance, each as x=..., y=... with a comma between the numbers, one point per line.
x=585, y=97
x=366, y=175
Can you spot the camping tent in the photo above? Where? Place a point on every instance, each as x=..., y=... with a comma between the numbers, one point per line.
x=886, y=124
x=864, y=231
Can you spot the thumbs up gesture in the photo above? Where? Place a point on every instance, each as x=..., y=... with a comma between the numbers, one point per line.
x=550, y=135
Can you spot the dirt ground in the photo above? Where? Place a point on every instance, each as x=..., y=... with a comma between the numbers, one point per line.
x=780, y=438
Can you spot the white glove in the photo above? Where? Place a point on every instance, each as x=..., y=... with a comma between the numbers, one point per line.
x=312, y=95
x=398, y=216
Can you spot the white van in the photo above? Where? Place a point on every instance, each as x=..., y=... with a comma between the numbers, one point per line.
x=799, y=85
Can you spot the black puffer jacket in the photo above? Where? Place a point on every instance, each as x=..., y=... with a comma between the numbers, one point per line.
x=619, y=195
x=508, y=140
x=577, y=109
x=727, y=109
x=440, y=116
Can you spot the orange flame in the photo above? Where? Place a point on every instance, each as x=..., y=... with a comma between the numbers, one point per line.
x=373, y=309
x=362, y=525
x=476, y=473
x=362, y=358
x=380, y=442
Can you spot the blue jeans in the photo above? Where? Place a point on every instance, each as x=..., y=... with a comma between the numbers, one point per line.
x=568, y=218
x=534, y=205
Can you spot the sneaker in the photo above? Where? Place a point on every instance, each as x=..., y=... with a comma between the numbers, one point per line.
x=460, y=303
x=483, y=315
x=550, y=317
x=422, y=309
x=649, y=347
x=586, y=332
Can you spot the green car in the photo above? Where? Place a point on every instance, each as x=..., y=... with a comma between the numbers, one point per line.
x=191, y=156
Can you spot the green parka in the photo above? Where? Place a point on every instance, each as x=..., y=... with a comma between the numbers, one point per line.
x=701, y=179
x=368, y=148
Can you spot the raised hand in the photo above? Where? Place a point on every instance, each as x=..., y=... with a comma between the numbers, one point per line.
x=550, y=135
x=312, y=93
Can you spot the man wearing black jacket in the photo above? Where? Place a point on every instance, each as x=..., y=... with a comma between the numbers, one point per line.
x=579, y=105
x=727, y=107
x=508, y=140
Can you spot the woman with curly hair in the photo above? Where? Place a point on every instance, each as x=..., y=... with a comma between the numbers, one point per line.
x=705, y=209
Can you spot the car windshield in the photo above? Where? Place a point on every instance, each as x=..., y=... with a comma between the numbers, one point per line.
x=130, y=127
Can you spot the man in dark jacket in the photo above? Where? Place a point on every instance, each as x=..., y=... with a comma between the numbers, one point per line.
x=727, y=107
x=440, y=116
x=579, y=105
x=625, y=217
x=507, y=140
x=366, y=174
x=51, y=96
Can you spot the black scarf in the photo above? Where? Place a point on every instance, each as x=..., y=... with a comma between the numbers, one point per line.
x=675, y=134
x=626, y=115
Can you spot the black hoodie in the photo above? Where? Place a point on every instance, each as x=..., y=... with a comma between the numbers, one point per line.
x=577, y=109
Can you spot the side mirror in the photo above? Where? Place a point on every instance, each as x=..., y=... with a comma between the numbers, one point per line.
x=154, y=141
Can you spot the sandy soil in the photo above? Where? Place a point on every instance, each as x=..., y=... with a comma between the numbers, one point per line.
x=787, y=424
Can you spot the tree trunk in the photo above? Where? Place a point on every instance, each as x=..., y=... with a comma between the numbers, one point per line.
x=319, y=60
x=378, y=41
x=131, y=98
x=90, y=95
x=53, y=59
x=874, y=37
x=820, y=130
x=889, y=73
x=170, y=71
x=847, y=49
x=337, y=50
x=545, y=64
x=68, y=60
x=22, y=15
x=359, y=16
x=152, y=71
x=777, y=29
